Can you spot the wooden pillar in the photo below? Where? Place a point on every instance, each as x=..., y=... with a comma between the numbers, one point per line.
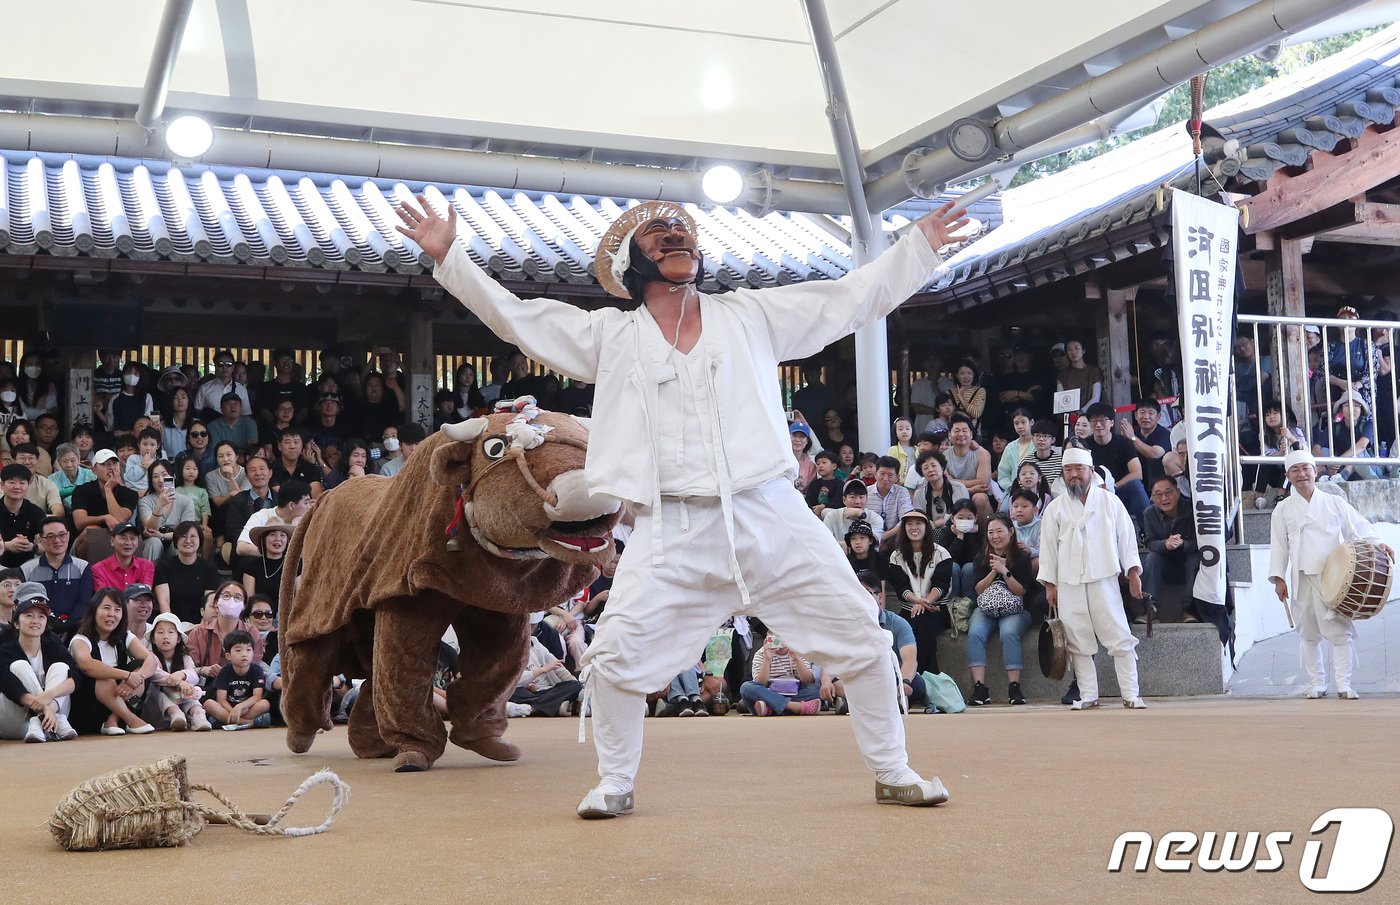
x=1117, y=367
x=1285, y=298
x=421, y=368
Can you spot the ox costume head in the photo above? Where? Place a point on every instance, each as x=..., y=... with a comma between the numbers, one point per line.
x=522, y=492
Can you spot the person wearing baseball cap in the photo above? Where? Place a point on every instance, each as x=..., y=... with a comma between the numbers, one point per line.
x=863, y=548
x=1087, y=540
x=854, y=498
x=36, y=673
x=1304, y=530
x=688, y=424
x=101, y=505
x=140, y=601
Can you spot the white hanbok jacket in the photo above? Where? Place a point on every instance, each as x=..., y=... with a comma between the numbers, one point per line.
x=1080, y=544
x=1303, y=533
x=746, y=333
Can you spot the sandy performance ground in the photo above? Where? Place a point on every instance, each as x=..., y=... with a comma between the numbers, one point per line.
x=741, y=809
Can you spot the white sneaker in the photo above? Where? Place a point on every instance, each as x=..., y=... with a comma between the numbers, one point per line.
x=1314, y=693
x=1346, y=694
x=514, y=709
x=600, y=805
x=178, y=723
x=63, y=731
x=34, y=731
x=1134, y=704
x=1084, y=705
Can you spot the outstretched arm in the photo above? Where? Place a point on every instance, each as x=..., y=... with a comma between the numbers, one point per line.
x=552, y=332
x=805, y=318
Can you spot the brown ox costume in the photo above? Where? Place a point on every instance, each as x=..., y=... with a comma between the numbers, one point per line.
x=380, y=583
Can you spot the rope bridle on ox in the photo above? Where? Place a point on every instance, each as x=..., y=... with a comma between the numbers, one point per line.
x=522, y=435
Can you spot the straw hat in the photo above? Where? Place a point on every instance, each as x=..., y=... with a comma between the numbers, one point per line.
x=273, y=524
x=619, y=235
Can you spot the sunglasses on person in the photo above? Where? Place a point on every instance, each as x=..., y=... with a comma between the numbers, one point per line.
x=198, y=434
x=261, y=614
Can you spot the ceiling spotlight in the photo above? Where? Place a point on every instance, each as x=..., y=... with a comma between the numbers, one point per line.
x=188, y=137
x=722, y=184
x=972, y=140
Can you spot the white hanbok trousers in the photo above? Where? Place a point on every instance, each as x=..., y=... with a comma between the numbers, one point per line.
x=1316, y=624
x=1092, y=614
x=659, y=617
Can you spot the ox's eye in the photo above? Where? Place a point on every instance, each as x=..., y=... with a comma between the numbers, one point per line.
x=495, y=447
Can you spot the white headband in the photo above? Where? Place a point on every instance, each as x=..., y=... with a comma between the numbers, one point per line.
x=1076, y=456
x=1298, y=457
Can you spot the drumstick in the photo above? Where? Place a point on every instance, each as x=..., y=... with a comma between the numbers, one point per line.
x=1289, y=613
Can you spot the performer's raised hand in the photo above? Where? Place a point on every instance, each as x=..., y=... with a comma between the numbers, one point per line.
x=422, y=224
x=940, y=226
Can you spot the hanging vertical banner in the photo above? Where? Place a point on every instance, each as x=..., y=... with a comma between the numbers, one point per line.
x=1204, y=240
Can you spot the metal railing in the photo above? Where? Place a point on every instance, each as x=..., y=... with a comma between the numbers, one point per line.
x=1310, y=390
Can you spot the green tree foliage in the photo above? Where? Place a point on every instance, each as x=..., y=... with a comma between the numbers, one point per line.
x=1225, y=84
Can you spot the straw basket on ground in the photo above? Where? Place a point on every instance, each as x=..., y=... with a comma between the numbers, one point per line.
x=150, y=806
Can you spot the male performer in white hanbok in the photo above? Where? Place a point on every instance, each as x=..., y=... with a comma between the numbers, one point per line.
x=688, y=426
x=1087, y=539
x=1306, y=527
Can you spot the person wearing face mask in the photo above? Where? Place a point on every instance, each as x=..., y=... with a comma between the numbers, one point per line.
x=10, y=408
x=128, y=405
x=961, y=536
x=206, y=640
x=1086, y=540
x=689, y=427
x=400, y=446
x=37, y=394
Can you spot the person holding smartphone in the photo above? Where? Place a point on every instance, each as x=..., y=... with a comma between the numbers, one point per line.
x=161, y=509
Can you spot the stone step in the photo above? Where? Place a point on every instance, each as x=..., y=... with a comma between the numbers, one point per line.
x=1179, y=659
x=1256, y=526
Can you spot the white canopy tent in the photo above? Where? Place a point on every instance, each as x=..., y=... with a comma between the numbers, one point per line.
x=629, y=99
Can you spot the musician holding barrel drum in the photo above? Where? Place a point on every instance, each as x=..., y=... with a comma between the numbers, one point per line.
x=1338, y=569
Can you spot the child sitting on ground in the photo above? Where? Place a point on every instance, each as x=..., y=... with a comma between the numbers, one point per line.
x=238, y=691
x=173, y=692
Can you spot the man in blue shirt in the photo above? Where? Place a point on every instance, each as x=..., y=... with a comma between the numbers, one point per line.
x=67, y=578
x=903, y=643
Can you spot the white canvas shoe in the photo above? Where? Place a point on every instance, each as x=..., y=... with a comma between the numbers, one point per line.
x=600, y=805
x=63, y=731
x=1134, y=704
x=1346, y=694
x=1314, y=693
x=922, y=794
x=1084, y=705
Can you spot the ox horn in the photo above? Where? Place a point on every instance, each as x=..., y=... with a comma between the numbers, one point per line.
x=465, y=431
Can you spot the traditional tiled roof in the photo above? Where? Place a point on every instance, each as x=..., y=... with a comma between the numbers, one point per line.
x=1108, y=208
x=146, y=210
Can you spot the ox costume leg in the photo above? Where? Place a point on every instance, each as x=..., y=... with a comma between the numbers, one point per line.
x=403, y=689
x=660, y=616
x=1316, y=624
x=1093, y=613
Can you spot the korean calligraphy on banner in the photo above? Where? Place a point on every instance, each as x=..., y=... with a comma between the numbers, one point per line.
x=420, y=401
x=1204, y=239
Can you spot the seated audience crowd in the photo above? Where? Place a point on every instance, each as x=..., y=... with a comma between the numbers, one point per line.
x=143, y=553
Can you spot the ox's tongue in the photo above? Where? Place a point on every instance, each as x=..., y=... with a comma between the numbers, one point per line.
x=586, y=544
